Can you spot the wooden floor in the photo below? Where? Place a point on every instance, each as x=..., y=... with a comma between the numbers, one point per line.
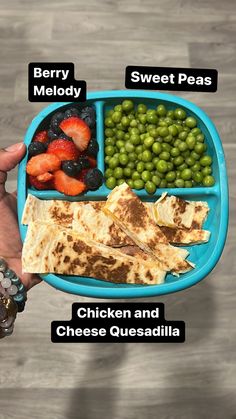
x=195, y=380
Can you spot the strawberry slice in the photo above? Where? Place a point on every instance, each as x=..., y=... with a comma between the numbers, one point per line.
x=42, y=163
x=63, y=149
x=40, y=185
x=41, y=137
x=78, y=130
x=45, y=177
x=67, y=184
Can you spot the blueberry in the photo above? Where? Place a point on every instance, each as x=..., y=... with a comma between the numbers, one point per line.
x=88, y=114
x=71, y=167
x=93, y=179
x=93, y=147
x=55, y=122
x=84, y=162
x=36, y=148
x=71, y=112
x=51, y=135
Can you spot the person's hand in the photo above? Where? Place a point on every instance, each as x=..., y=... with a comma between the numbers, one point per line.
x=10, y=241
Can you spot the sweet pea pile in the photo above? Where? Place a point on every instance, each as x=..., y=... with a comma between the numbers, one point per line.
x=154, y=148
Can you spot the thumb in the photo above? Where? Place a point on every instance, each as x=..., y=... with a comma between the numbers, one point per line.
x=9, y=158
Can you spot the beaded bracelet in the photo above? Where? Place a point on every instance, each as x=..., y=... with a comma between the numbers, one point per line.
x=12, y=298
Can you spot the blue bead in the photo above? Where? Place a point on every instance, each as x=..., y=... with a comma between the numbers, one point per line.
x=9, y=274
x=16, y=281
x=18, y=297
x=21, y=288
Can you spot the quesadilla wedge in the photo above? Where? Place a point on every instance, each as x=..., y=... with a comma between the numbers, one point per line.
x=51, y=248
x=174, y=212
x=134, y=218
x=186, y=236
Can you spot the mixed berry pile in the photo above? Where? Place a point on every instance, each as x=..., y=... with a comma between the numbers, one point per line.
x=63, y=157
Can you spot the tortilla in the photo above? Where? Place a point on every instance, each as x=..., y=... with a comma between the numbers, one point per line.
x=134, y=218
x=174, y=212
x=93, y=223
x=51, y=248
x=186, y=236
x=54, y=211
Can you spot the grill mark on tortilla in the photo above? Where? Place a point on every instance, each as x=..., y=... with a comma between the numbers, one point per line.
x=59, y=216
x=66, y=259
x=195, y=225
x=59, y=248
x=69, y=238
x=80, y=247
x=198, y=208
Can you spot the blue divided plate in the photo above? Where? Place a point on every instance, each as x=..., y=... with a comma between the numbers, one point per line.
x=205, y=256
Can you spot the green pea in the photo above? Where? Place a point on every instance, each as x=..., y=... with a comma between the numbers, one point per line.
x=191, y=142
x=169, y=121
x=196, y=131
x=134, y=124
x=161, y=110
x=118, y=108
x=125, y=121
x=190, y=161
x=118, y=172
x=120, y=135
x=208, y=181
x=109, y=132
x=153, y=133
x=140, y=167
x=148, y=142
x=111, y=182
x=170, y=185
x=162, y=124
x=156, y=180
x=146, y=175
x=109, y=123
x=170, y=176
x=170, y=166
x=109, y=150
x=165, y=155
x=142, y=118
x=182, y=167
x=207, y=170
x=196, y=167
x=175, y=152
x=116, y=117
x=183, y=135
x=109, y=141
x=109, y=113
x=116, y=155
x=138, y=184
x=127, y=105
x=156, y=148
x=173, y=130
x=194, y=155
x=139, y=149
x=188, y=184
x=122, y=150
x=141, y=128
x=178, y=160
x=186, y=174
x=135, y=175
x=152, y=118
x=200, y=138
x=180, y=113
x=130, y=182
x=129, y=147
x=147, y=156
x=132, y=156
x=182, y=146
x=197, y=177
x=127, y=172
x=199, y=148
x=141, y=108
x=162, y=166
x=107, y=159
x=163, y=132
x=113, y=162
x=149, y=166
x=177, y=142
x=186, y=154
x=163, y=183
x=123, y=159
x=131, y=165
x=108, y=173
x=166, y=147
x=179, y=183
x=171, y=114
x=150, y=187
x=120, y=181
x=190, y=122
x=135, y=139
x=155, y=160
x=206, y=161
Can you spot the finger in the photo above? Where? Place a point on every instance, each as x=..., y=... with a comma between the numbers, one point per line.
x=9, y=158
